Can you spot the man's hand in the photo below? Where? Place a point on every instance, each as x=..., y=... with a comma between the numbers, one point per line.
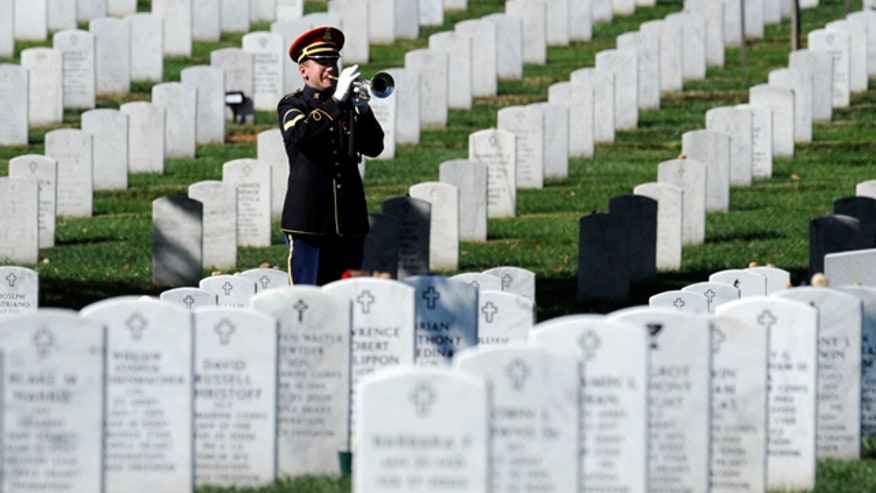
x=345, y=80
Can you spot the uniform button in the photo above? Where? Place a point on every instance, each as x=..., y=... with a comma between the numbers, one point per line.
x=331, y=129
x=339, y=186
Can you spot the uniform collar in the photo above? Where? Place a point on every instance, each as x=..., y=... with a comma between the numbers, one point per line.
x=312, y=93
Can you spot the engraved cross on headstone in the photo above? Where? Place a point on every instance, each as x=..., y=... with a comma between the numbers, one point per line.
x=517, y=371
x=654, y=331
x=43, y=339
x=431, y=296
x=766, y=319
x=136, y=324
x=678, y=304
x=422, y=397
x=300, y=307
x=224, y=329
x=189, y=300
x=11, y=278
x=365, y=299
x=507, y=281
x=490, y=310
x=710, y=296
x=589, y=342
x=227, y=288
x=265, y=281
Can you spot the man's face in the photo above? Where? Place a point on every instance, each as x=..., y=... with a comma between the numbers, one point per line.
x=318, y=74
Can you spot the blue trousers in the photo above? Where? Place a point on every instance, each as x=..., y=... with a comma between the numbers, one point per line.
x=318, y=260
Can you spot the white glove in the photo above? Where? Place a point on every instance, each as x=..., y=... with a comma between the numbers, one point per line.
x=342, y=89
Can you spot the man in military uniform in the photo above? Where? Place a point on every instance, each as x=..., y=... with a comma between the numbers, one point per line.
x=326, y=128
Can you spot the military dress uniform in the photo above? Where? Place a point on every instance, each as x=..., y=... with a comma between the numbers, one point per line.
x=325, y=200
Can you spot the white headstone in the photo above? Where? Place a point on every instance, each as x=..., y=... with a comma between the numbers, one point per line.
x=434, y=69
x=579, y=101
x=543, y=390
x=669, y=221
x=712, y=149
x=781, y=102
x=146, y=131
x=626, y=106
x=527, y=125
x=459, y=50
x=206, y=20
x=149, y=379
x=109, y=131
x=820, y=65
x=801, y=82
x=220, y=222
x=72, y=148
x=793, y=338
x=679, y=396
x=839, y=370
x=509, y=41
x=266, y=278
x=407, y=19
x=147, y=47
x=180, y=103
x=53, y=402
x=407, y=103
x=45, y=95
x=189, y=297
x=289, y=10
x=580, y=20
x=470, y=178
x=177, y=15
x=234, y=15
x=716, y=293
x=19, y=291
x=43, y=170
x=680, y=301
x=253, y=181
x=314, y=377
x=120, y=8
x=515, y=280
x=614, y=401
x=235, y=405
x=88, y=10
x=690, y=176
x=602, y=83
x=269, y=57
x=431, y=12
x=231, y=291
x=386, y=111
x=19, y=219
x=381, y=21
x=838, y=44
x=444, y=223
x=7, y=28
x=497, y=149
x=503, y=317
x=424, y=405
x=13, y=105
x=776, y=279
x=670, y=34
x=210, y=113
x=61, y=15
x=761, y=140
x=354, y=15
x=647, y=48
x=30, y=20
x=749, y=283
x=737, y=123
x=77, y=47
x=484, y=38
x=271, y=150
x=534, y=15
x=858, y=52
x=851, y=268
x=112, y=55
x=556, y=139
x=867, y=19
x=694, y=43
x=739, y=405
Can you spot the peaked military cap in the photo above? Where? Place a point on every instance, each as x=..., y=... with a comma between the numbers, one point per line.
x=319, y=43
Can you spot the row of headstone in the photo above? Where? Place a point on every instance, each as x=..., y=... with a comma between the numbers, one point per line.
x=146, y=341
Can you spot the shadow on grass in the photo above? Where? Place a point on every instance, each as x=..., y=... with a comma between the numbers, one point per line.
x=63, y=293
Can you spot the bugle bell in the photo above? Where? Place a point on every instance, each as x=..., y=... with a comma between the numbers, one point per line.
x=380, y=86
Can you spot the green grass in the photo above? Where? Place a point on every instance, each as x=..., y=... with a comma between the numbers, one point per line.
x=110, y=254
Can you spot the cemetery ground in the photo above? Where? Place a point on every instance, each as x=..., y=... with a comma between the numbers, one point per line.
x=110, y=254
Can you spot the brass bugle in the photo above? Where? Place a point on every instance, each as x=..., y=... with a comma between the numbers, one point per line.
x=380, y=86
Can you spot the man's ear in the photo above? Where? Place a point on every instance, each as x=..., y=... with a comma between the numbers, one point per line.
x=302, y=69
